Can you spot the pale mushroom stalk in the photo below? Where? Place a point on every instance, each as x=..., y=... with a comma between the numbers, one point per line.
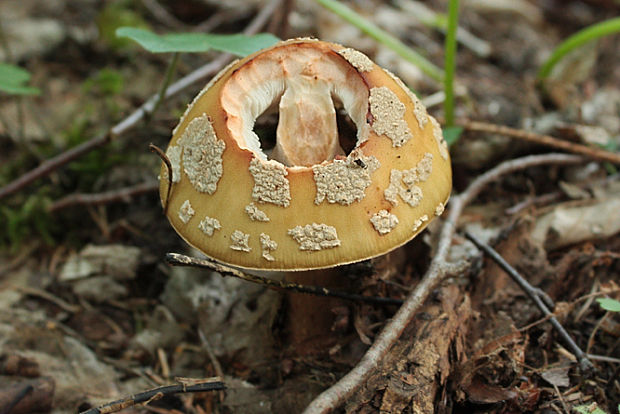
x=307, y=133
x=307, y=204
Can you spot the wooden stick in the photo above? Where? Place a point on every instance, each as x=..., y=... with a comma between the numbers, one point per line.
x=177, y=259
x=199, y=385
x=338, y=393
x=590, y=152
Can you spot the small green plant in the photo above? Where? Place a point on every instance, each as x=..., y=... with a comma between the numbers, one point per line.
x=23, y=221
x=105, y=86
x=590, y=409
x=577, y=40
x=13, y=80
x=175, y=43
x=611, y=305
x=238, y=44
x=451, y=133
x=106, y=82
x=117, y=14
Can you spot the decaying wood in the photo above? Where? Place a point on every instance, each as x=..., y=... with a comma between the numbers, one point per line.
x=438, y=269
x=408, y=379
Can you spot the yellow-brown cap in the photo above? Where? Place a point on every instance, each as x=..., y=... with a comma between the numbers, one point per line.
x=306, y=203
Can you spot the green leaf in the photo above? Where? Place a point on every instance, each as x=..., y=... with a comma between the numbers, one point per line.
x=588, y=34
x=13, y=80
x=237, y=44
x=452, y=134
x=609, y=304
x=349, y=15
x=589, y=409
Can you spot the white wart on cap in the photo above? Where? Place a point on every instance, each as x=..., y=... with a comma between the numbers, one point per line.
x=307, y=203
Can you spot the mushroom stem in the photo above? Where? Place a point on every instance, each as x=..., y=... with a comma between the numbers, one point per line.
x=307, y=131
x=309, y=318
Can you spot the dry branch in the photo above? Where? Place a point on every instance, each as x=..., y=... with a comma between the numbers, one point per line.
x=177, y=259
x=156, y=394
x=135, y=117
x=347, y=385
x=123, y=194
x=547, y=140
x=540, y=298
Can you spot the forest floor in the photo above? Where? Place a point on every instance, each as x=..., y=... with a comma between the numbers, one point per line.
x=90, y=312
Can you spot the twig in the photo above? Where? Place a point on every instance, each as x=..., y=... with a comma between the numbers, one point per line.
x=163, y=362
x=177, y=259
x=54, y=163
x=42, y=294
x=542, y=199
x=366, y=26
x=216, y=364
x=169, y=170
x=561, y=398
x=595, y=331
x=516, y=276
x=221, y=16
x=556, y=409
x=172, y=67
x=533, y=324
x=346, y=386
x=157, y=393
x=161, y=14
x=135, y=117
x=123, y=194
x=548, y=140
x=537, y=296
x=555, y=195
x=588, y=302
x=280, y=22
x=209, y=349
x=604, y=358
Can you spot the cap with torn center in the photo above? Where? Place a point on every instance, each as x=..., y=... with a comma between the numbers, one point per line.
x=309, y=202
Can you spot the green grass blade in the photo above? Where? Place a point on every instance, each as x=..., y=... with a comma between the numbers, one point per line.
x=383, y=37
x=450, y=61
x=580, y=38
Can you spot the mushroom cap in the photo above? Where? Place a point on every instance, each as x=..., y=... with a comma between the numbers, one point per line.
x=308, y=203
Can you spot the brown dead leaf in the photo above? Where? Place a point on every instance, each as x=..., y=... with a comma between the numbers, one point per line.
x=527, y=399
x=518, y=248
x=478, y=391
x=557, y=376
x=568, y=224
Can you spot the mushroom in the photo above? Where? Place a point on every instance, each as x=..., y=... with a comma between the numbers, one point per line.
x=317, y=199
